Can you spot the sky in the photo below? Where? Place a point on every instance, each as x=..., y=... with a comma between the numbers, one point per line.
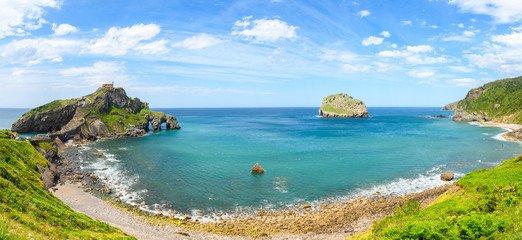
x=257, y=53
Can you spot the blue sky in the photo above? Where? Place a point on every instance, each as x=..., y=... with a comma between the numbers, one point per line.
x=259, y=53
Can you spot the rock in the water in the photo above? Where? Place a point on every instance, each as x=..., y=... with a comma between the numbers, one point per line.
x=447, y=176
x=257, y=169
x=343, y=106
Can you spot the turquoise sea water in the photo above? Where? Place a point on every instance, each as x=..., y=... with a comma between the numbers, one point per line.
x=206, y=165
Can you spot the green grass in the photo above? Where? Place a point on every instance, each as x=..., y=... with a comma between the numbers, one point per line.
x=506, y=92
x=6, y=134
x=485, y=204
x=27, y=211
x=51, y=106
x=332, y=109
x=330, y=102
x=46, y=145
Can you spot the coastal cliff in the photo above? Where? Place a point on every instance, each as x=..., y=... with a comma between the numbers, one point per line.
x=450, y=106
x=342, y=106
x=108, y=112
x=499, y=101
x=28, y=211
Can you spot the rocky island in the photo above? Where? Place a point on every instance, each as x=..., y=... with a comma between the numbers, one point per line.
x=108, y=112
x=342, y=106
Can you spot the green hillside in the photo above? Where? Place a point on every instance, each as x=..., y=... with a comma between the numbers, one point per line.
x=485, y=204
x=498, y=101
x=27, y=211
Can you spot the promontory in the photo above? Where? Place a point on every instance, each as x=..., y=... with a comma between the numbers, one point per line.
x=108, y=112
x=499, y=101
x=343, y=106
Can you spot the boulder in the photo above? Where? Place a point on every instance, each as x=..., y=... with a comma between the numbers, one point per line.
x=257, y=169
x=447, y=176
x=342, y=106
x=306, y=206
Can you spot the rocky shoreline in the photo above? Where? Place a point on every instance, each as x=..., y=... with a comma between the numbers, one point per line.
x=514, y=131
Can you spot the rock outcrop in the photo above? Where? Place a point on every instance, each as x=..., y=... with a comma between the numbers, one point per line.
x=450, y=106
x=447, y=176
x=343, y=106
x=498, y=101
x=108, y=112
x=257, y=169
x=514, y=135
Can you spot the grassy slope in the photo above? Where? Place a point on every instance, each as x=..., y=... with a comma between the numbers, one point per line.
x=506, y=92
x=27, y=211
x=485, y=204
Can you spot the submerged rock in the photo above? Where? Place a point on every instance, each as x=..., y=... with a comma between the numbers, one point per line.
x=447, y=176
x=342, y=106
x=257, y=169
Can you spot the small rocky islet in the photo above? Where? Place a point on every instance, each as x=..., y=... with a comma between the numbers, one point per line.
x=343, y=106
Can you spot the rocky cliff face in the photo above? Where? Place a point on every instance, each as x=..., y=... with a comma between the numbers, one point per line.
x=498, y=101
x=450, y=106
x=342, y=106
x=106, y=112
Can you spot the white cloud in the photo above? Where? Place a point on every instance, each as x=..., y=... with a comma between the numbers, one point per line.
x=98, y=73
x=502, y=11
x=264, y=29
x=372, y=41
x=198, y=90
x=156, y=47
x=97, y=68
x=33, y=51
x=415, y=55
x=434, y=26
x=419, y=48
x=197, y=42
x=63, y=29
x=501, y=55
x=385, y=34
x=463, y=82
x=421, y=73
x=349, y=68
x=118, y=41
x=460, y=69
x=465, y=36
x=406, y=23
x=19, y=16
x=363, y=13
x=333, y=55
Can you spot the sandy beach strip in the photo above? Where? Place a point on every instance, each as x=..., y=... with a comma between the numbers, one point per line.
x=132, y=224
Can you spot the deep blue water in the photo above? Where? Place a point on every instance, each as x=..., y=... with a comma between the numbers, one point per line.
x=206, y=164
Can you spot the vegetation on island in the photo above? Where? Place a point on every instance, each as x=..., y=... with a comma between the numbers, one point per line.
x=27, y=211
x=485, y=204
x=106, y=112
x=498, y=101
x=342, y=105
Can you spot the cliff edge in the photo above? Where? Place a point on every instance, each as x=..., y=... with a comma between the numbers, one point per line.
x=343, y=106
x=499, y=101
x=108, y=112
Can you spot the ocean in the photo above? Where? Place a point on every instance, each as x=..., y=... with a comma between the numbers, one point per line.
x=205, y=166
